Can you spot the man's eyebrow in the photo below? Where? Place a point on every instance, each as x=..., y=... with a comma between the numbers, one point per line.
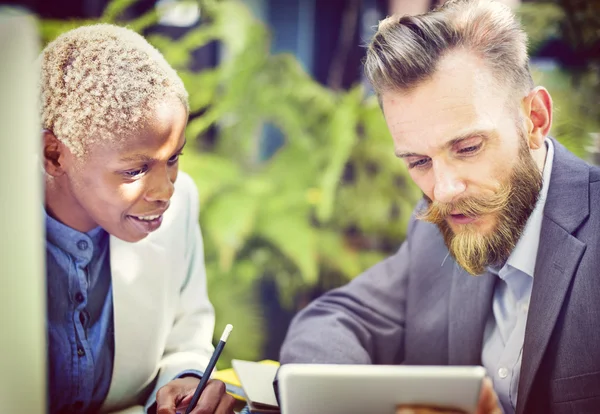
x=484, y=133
x=406, y=154
x=145, y=158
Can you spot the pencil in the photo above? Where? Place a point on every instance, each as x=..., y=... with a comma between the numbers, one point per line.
x=209, y=368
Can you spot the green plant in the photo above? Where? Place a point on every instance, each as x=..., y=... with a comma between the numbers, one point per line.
x=330, y=202
x=572, y=124
x=294, y=217
x=575, y=82
x=285, y=214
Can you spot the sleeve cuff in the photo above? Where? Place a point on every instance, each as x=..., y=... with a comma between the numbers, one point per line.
x=187, y=373
x=190, y=373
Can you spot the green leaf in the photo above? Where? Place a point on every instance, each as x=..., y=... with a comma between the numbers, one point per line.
x=114, y=9
x=144, y=21
x=294, y=168
x=228, y=220
x=238, y=304
x=370, y=258
x=337, y=254
x=573, y=118
x=211, y=172
x=541, y=21
x=343, y=136
x=200, y=124
x=292, y=234
x=235, y=33
x=51, y=29
x=204, y=87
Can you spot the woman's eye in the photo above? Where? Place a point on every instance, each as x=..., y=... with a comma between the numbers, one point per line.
x=175, y=158
x=135, y=173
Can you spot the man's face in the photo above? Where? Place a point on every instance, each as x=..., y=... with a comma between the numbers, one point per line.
x=125, y=187
x=465, y=147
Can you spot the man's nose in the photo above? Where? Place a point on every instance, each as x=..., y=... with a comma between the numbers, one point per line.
x=448, y=185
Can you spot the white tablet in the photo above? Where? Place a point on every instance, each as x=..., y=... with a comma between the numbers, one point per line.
x=376, y=389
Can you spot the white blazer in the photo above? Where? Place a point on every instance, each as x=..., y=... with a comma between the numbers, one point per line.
x=163, y=318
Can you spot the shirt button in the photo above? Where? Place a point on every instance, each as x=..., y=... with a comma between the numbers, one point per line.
x=503, y=373
x=525, y=307
x=80, y=351
x=83, y=318
x=78, y=405
x=79, y=297
x=82, y=245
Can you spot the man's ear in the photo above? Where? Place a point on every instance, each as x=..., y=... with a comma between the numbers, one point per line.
x=537, y=106
x=54, y=153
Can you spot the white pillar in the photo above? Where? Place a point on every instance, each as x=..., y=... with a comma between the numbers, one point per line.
x=22, y=275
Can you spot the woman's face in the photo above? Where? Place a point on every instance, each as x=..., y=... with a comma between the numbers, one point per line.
x=124, y=186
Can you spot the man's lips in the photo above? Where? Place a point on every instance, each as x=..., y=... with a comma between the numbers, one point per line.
x=458, y=218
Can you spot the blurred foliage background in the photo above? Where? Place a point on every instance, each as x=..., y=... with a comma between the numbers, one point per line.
x=332, y=199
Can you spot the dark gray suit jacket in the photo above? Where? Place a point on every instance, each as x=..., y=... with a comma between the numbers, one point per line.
x=417, y=308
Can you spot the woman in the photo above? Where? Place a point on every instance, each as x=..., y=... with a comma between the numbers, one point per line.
x=129, y=320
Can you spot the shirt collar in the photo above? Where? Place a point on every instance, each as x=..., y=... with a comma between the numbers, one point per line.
x=524, y=255
x=82, y=246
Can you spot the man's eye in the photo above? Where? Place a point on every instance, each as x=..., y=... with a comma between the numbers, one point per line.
x=135, y=173
x=419, y=163
x=470, y=149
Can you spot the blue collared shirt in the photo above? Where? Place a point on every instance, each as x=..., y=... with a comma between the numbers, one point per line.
x=79, y=319
x=505, y=329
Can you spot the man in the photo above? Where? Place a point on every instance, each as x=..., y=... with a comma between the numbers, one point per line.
x=501, y=263
x=129, y=319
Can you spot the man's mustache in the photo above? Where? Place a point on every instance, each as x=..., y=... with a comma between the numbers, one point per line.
x=470, y=206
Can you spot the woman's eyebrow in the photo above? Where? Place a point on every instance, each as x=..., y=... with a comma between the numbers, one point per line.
x=145, y=158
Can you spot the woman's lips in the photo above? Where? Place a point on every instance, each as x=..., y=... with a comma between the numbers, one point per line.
x=147, y=226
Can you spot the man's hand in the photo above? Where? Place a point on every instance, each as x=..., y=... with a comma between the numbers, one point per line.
x=488, y=404
x=177, y=394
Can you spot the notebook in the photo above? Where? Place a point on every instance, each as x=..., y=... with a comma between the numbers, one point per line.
x=256, y=379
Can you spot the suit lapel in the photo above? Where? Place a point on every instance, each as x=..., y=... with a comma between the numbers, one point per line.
x=555, y=267
x=137, y=270
x=559, y=254
x=470, y=304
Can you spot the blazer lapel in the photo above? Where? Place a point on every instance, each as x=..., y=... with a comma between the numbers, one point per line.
x=470, y=305
x=555, y=267
x=558, y=256
x=137, y=271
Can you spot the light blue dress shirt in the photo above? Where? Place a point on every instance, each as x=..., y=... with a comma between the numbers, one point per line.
x=505, y=328
x=79, y=318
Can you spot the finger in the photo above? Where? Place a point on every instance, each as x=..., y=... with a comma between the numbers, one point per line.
x=166, y=400
x=226, y=405
x=419, y=409
x=210, y=398
x=488, y=400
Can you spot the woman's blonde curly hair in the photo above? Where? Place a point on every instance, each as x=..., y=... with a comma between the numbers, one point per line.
x=100, y=83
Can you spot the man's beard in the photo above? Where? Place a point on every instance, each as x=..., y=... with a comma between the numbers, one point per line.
x=512, y=205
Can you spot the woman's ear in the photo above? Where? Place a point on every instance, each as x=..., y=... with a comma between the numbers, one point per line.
x=53, y=153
